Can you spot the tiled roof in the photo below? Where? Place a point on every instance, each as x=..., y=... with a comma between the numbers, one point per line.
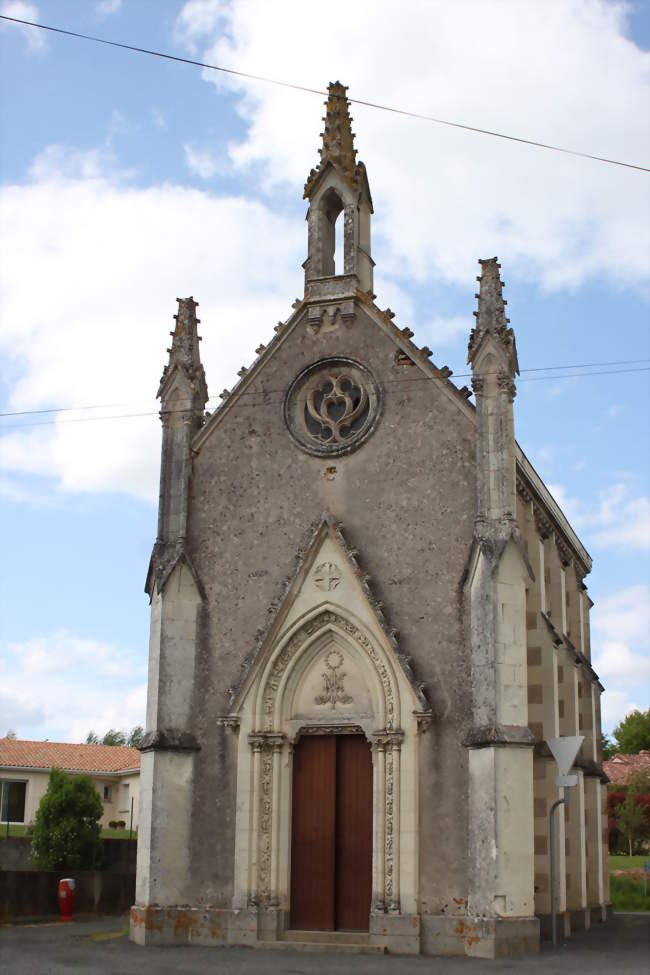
x=621, y=768
x=73, y=758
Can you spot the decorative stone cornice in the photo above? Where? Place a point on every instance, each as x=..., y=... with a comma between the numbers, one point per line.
x=549, y=518
x=230, y=722
x=591, y=769
x=488, y=736
x=169, y=740
x=424, y=720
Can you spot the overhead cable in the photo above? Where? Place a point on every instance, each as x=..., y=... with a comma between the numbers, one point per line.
x=266, y=393
x=317, y=91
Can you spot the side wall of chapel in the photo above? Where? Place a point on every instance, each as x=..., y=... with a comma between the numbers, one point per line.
x=563, y=700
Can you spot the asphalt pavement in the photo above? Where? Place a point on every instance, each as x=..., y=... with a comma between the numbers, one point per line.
x=101, y=947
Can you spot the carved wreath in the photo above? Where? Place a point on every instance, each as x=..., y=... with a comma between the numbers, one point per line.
x=333, y=691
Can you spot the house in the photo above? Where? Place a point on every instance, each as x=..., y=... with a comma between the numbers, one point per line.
x=25, y=768
x=368, y=615
x=620, y=768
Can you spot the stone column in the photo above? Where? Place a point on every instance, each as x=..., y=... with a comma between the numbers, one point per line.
x=379, y=819
x=501, y=853
x=395, y=747
x=256, y=746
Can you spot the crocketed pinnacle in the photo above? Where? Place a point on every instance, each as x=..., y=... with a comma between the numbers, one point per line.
x=184, y=352
x=338, y=141
x=491, y=314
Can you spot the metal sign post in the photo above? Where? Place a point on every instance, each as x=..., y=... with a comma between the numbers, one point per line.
x=564, y=751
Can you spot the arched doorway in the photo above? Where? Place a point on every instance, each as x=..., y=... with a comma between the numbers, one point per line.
x=331, y=833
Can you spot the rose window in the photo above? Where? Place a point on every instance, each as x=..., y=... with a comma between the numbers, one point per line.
x=332, y=406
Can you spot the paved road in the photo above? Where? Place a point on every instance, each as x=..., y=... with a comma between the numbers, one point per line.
x=101, y=947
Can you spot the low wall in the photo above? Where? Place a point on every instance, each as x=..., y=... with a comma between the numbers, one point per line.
x=16, y=854
x=33, y=893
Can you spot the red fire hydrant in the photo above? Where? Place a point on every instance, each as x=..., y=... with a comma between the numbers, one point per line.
x=66, y=898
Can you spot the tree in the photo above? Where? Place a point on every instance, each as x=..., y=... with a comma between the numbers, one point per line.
x=632, y=814
x=66, y=834
x=131, y=738
x=633, y=733
x=136, y=736
x=610, y=748
x=114, y=737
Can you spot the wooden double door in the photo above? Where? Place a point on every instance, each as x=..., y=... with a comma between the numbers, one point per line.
x=331, y=833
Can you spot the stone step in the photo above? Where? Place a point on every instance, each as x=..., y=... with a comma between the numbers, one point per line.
x=327, y=937
x=324, y=946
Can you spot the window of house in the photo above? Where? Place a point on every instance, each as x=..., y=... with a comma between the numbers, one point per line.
x=108, y=793
x=12, y=801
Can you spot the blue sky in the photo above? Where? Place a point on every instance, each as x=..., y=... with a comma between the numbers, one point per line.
x=128, y=181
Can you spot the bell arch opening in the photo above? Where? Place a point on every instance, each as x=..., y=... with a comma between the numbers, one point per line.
x=331, y=208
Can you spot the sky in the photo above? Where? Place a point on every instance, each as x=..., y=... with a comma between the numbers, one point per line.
x=127, y=181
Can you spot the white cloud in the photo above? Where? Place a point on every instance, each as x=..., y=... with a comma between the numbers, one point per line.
x=444, y=197
x=198, y=18
x=58, y=162
x=614, y=706
x=110, y=260
x=106, y=8
x=64, y=684
x=615, y=518
x=201, y=162
x=444, y=330
x=24, y=11
x=620, y=641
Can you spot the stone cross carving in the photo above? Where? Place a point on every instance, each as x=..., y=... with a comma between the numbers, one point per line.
x=327, y=576
x=333, y=690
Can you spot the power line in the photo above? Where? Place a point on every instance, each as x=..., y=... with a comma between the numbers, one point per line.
x=318, y=91
x=384, y=382
x=266, y=393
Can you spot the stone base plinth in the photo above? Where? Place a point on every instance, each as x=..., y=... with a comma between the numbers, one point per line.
x=399, y=934
x=563, y=923
x=580, y=919
x=179, y=926
x=479, y=937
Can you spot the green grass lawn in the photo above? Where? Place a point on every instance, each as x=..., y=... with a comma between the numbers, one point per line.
x=619, y=862
x=627, y=892
x=14, y=830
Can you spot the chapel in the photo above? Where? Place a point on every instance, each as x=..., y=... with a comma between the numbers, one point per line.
x=368, y=616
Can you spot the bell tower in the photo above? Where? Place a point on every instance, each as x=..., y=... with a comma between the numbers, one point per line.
x=338, y=190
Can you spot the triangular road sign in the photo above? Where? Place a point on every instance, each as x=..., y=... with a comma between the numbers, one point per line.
x=565, y=750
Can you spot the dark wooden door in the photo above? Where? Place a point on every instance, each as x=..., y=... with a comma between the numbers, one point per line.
x=353, y=832
x=313, y=833
x=331, y=834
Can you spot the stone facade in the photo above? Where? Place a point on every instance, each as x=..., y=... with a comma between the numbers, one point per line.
x=348, y=545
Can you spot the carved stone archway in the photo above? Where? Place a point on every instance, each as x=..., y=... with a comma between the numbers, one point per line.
x=332, y=647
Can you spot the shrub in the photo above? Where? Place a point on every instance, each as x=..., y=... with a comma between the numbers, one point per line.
x=66, y=831
x=120, y=824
